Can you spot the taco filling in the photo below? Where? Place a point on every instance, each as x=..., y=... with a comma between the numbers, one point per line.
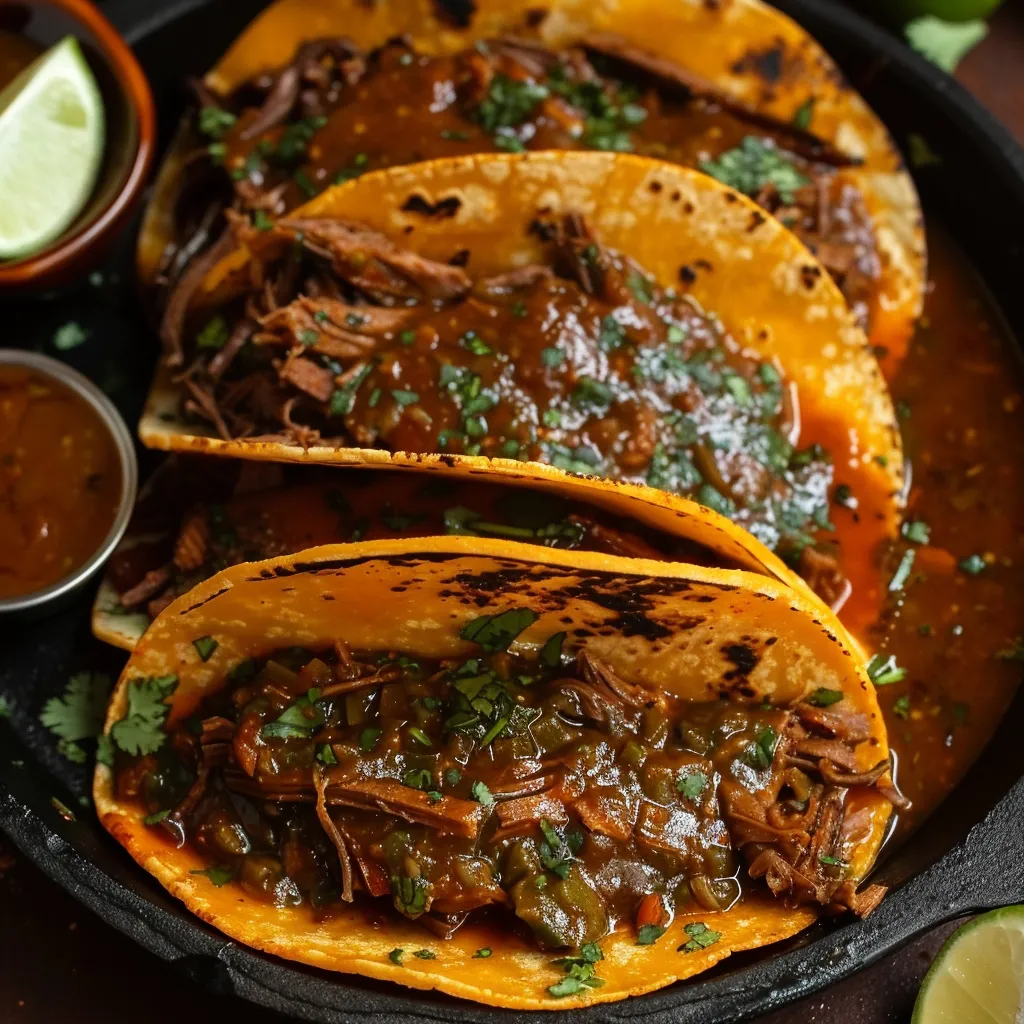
x=583, y=362
x=546, y=789
x=190, y=525
x=336, y=112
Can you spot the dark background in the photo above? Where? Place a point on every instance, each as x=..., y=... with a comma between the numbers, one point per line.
x=60, y=963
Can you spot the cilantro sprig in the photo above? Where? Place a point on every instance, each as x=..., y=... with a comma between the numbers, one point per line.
x=141, y=732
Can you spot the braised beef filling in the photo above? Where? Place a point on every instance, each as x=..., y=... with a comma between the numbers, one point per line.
x=207, y=527
x=547, y=788
x=583, y=362
x=335, y=112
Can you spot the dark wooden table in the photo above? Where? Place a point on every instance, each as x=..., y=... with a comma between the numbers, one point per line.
x=60, y=963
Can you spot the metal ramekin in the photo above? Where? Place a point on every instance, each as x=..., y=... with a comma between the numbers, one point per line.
x=111, y=419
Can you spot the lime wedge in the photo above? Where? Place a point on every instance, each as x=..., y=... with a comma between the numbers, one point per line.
x=51, y=145
x=978, y=975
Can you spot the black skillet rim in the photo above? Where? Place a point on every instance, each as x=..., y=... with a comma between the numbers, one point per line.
x=983, y=870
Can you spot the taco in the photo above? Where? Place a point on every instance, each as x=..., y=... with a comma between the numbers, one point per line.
x=517, y=776
x=615, y=316
x=320, y=91
x=196, y=516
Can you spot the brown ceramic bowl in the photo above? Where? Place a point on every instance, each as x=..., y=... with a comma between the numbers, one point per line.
x=131, y=136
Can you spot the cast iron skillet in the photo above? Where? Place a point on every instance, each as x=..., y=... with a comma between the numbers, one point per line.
x=968, y=857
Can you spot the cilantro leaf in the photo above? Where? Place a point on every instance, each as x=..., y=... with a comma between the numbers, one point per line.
x=141, y=729
x=298, y=721
x=496, y=632
x=481, y=794
x=483, y=953
x=395, y=956
x=752, y=165
x=649, y=934
x=701, y=936
x=69, y=336
x=692, y=784
x=205, y=646
x=218, y=875
x=551, y=652
x=823, y=697
x=79, y=713
x=883, y=671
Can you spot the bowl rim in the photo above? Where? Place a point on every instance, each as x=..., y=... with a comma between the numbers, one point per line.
x=118, y=430
x=134, y=86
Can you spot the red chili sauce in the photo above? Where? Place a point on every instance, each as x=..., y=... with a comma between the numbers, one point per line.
x=60, y=481
x=955, y=626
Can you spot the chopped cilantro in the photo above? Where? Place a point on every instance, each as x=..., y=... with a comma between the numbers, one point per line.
x=508, y=103
x=901, y=707
x=551, y=652
x=215, y=123
x=496, y=632
x=883, y=671
x=579, y=970
x=452, y=776
x=519, y=308
x=917, y=531
x=141, y=729
x=325, y=754
x=823, y=697
x=761, y=753
x=425, y=954
x=475, y=344
x=69, y=336
x=902, y=574
x=973, y=565
x=420, y=736
x=220, y=876
x=692, y=784
x=344, y=397
x=403, y=397
x=804, y=114
x=649, y=934
x=309, y=337
x=482, y=953
x=368, y=738
x=592, y=393
x=640, y=287
x=754, y=164
x=214, y=334
x=481, y=794
x=552, y=357
x=261, y=221
x=156, y=817
x=701, y=936
x=418, y=778
x=395, y=956
x=300, y=720
x=205, y=646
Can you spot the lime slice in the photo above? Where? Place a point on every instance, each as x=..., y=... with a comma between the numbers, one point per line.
x=51, y=145
x=978, y=976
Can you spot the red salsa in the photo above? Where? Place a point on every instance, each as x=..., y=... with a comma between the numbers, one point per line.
x=60, y=481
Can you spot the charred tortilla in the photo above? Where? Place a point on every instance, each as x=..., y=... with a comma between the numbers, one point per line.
x=446, y=620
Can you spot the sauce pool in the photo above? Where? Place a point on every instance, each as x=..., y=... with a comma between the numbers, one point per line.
x=60, y=481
